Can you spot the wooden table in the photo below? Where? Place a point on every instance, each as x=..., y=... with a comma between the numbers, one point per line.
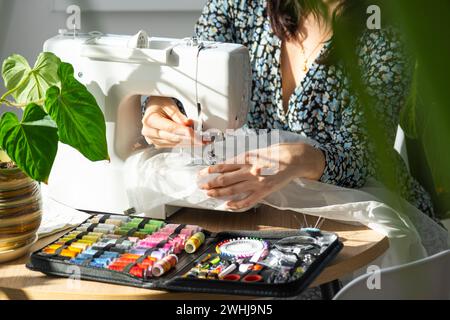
x=361, y=246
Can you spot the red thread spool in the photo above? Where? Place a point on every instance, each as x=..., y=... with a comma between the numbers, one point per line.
x=232, y=277
x=252, y=278
x=137, y=272
x=117, y=266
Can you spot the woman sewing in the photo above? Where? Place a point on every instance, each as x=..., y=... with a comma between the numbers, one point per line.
x=299, y=85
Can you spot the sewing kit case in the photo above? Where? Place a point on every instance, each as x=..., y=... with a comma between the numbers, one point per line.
x=153, y=254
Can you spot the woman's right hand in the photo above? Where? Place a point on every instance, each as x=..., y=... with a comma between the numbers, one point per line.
x=164, y=125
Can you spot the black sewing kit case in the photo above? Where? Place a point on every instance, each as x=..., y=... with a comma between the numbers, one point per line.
x=153, y=254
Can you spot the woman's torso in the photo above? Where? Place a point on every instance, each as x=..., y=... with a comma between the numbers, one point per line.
x=322, y=104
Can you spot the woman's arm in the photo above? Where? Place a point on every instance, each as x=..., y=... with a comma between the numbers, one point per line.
x=386, y=76
x=347, y=155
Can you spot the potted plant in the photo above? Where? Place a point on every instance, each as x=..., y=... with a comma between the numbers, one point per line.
x=55, y=107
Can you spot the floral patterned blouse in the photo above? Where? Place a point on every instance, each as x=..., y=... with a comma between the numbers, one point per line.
x=321, y=107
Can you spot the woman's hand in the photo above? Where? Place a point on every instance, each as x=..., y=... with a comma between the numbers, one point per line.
x=164, y=125
x=261, y=172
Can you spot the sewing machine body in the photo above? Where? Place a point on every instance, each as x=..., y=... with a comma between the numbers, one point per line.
x=217, y=77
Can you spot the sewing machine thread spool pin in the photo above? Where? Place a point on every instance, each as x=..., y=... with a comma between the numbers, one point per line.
x=139, y=40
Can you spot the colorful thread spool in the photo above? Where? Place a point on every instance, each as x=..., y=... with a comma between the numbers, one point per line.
x=164, y=265
x=194, y=242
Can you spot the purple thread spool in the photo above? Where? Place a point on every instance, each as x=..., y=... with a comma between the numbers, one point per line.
x=158, y=254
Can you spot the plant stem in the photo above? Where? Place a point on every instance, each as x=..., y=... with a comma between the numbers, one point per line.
x=17, y=87
x=20, y=105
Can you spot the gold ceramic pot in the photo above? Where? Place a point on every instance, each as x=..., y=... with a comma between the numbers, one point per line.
x=20, y=213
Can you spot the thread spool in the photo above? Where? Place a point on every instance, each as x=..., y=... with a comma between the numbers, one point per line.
x=245, y=267
x=252, y=278
x=227, y=270
x=164, y=265
x=158, y=254
x=194, y=242
x=232, y=277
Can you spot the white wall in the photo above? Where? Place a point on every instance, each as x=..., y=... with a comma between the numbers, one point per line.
x=26, y=24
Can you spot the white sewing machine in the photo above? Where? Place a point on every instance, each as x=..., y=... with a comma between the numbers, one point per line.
x=212, y=80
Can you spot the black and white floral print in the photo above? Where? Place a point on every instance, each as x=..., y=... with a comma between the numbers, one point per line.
x=322, y=107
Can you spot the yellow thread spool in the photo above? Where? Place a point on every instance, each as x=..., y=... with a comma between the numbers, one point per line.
x=194, y=242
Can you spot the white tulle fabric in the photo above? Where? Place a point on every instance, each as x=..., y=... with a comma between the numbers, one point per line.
x=155, y=178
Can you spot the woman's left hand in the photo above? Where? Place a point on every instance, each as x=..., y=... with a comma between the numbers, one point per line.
x=260, y=172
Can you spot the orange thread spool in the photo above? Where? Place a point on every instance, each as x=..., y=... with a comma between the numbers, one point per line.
x=164, y=265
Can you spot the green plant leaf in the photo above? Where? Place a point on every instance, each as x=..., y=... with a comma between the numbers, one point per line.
x=408, y=114
x=31, y=143
x=80, y=121
x=26, y=84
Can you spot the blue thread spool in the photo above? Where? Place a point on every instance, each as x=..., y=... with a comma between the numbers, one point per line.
x=77, y=261
x=110, y=254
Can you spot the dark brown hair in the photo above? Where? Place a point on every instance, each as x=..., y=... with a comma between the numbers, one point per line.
x=348, y=20
x=286, y=15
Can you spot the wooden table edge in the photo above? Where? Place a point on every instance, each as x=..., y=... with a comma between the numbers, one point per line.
x=330, y=272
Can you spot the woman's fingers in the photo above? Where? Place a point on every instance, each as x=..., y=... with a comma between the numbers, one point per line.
x=157, y=121
x=168, y=108
x=232, y=190
x=220, y=168
x=162, y=144
x=227, y=179
x=176, y=115
x=164, y=132
x=154, y=134
x=248, y=202
x=164, y=121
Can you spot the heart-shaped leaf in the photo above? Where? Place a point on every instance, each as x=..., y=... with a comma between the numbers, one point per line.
x=31, y=143
x=80, y=121
x=26, y=84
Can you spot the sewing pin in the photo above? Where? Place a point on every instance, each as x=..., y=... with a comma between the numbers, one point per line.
x=321, y=223
x=304, y=218
x=317, y=222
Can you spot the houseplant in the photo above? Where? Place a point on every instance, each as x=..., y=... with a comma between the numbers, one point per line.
x=55, y=107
